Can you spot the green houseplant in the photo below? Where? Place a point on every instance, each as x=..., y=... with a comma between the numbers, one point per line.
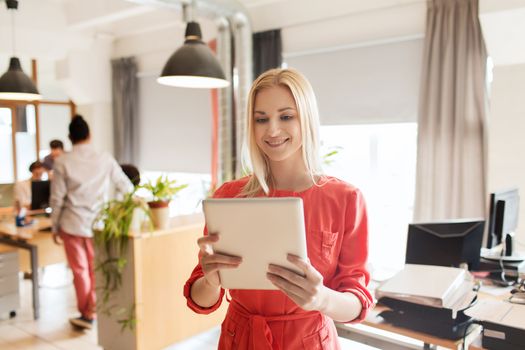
x=111, y=233
x=162, y=192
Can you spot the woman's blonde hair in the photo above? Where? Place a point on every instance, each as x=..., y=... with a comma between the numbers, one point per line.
x=306, y=102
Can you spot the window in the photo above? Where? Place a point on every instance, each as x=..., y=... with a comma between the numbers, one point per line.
x=7, y=173
x=25, y=138
x=380, y=159
x=27, y=127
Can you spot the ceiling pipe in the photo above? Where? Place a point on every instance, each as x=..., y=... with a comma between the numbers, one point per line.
x=225, y=126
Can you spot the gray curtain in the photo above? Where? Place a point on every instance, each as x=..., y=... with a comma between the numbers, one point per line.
x=125, y=109
x=452, y=145
x=267, y=51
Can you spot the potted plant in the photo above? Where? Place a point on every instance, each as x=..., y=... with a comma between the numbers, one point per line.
x=162, y=192
x=111, y=233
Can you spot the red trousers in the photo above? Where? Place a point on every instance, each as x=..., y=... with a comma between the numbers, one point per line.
x=80, y=257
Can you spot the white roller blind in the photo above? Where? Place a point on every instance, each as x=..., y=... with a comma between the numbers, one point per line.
x=373, y=84
x=175, y=128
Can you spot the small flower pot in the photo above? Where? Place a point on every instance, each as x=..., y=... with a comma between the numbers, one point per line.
x=160, y=214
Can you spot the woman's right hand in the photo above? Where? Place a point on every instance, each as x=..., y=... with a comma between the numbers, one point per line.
x=211, y=263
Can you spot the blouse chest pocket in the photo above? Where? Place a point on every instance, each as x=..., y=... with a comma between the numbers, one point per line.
x=324, y=244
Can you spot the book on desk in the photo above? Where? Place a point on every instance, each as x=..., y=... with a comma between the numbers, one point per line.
x=436, y=286
x=429, y=299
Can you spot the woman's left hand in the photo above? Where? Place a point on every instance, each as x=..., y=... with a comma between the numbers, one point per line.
x=306, y=291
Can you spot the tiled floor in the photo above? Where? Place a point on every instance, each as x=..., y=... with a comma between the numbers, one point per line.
x=53, y=332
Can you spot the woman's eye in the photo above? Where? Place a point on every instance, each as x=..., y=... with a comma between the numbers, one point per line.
x=261, y=120
x=286, y=117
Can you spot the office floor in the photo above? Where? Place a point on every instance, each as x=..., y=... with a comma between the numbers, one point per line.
x=53, y=332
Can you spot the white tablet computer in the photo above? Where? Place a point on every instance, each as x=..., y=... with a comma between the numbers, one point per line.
x=261, y=231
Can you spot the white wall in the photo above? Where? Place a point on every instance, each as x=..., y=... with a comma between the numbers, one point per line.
x=175, y=128
x=507, y=135
x=99, y=117
x=85, y=75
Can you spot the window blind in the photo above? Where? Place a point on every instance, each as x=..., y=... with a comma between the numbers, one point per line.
x=372, y=84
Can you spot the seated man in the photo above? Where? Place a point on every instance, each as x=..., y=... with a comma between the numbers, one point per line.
x=22, y=192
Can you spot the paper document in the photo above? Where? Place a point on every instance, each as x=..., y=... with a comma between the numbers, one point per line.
x=494, y=290
x=500, y=312
x=437, y=286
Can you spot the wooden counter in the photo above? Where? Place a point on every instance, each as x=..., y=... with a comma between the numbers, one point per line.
x=158, y=265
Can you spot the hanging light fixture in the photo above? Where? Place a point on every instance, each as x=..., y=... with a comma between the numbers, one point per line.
x=193, y=65
x=15, y=84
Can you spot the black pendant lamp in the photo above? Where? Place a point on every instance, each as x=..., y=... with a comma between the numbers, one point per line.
x=15, y=84
x=193, y=65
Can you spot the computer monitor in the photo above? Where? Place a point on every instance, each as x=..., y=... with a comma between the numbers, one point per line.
x=503, y=218
x=40, y=192
x=445, y=243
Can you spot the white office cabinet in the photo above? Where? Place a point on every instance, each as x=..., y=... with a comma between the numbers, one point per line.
x=9, y=293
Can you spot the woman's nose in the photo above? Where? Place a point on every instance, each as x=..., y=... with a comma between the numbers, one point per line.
x=273, y=128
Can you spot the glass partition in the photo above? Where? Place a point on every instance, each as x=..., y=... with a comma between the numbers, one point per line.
x=7, y=174
x=25, y=138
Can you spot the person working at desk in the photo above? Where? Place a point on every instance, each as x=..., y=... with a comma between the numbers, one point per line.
x=57, y=149
x=22, y=189
x=283, y=140
x=80, y=184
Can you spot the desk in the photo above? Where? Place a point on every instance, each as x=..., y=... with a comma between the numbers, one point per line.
x=473, y=339
x=32, y=240
x=430, y=342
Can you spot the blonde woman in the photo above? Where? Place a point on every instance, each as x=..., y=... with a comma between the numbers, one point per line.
x=283, y=140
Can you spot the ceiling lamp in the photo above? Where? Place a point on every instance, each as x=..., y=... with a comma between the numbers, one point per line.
x=193, y=65
x=15, y=84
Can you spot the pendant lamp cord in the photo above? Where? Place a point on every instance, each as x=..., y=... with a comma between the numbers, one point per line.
x=187, y=11
x=13, y=42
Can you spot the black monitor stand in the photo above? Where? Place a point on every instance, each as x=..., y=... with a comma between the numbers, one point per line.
x=505, y=266
x=509, y=246
x=510, y=254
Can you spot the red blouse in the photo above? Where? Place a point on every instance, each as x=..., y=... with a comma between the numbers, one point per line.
x=337, y=244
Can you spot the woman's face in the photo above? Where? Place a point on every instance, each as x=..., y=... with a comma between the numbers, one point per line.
x=277, y=127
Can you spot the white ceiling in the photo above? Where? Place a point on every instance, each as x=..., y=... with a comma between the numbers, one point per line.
x=54, y=26
x=130, y=17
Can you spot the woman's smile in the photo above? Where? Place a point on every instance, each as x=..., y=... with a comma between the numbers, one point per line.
x=276, y=142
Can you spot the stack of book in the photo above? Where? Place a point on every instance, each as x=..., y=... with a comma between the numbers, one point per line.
x=429, y=299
